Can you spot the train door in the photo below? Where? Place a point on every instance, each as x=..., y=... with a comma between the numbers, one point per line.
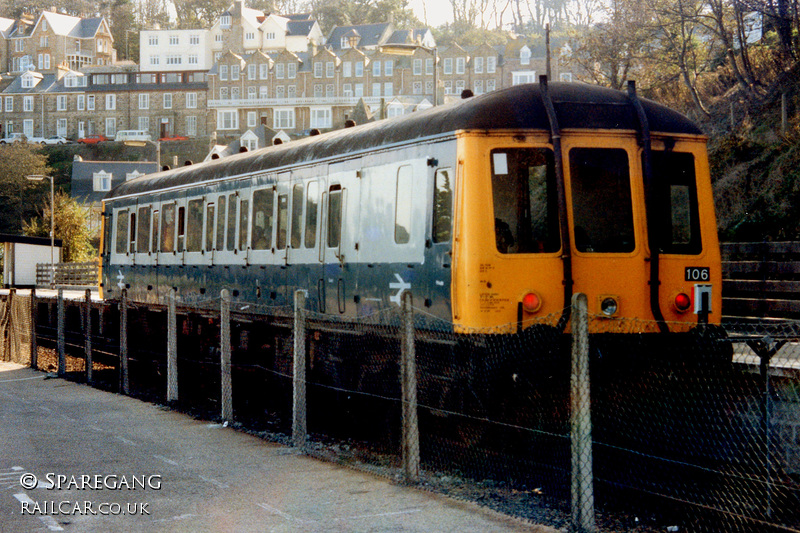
x=438, y=264
x=341, y=199
x=605, y=205
x=282, y=199
x=262, y=236
x=226, y=247
x=303, y=247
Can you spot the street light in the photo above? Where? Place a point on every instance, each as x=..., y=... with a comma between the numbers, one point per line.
x=408, y=49
x=40, y=177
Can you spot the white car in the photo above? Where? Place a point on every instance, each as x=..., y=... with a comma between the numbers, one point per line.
x=56, y=139
x=21, y=137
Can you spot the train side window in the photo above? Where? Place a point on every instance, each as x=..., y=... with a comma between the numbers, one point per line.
x=220, y=244
x=143, y=231
x=168, y=228
x=297, y=215
x=312, y=206
x=154, y=243
x=230, y=244
x=244, y=214
x=132, y=230
x=334, y=216
x=676, y=217
x=402, y=214
x=121, y=241
x=263, y=201
x=210, y=211
x=194, y=225
x=602, y=210
x=283, y=221
x=525, y=201
x=442, y=206
x=181, y=228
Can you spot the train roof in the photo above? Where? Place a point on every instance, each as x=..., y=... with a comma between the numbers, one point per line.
x=577, y=105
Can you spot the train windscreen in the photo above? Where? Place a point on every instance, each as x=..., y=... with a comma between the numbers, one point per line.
x=676, y=219
x=525, y=201
x=602, y=211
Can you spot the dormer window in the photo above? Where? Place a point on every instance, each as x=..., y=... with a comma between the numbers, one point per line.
x=225, y=21
x=27, y=81
x=525, y=55
x=345, y=42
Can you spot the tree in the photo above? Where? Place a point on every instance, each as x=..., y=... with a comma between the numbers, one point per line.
x=70, y=226
x=331, y=13
x=16, y=192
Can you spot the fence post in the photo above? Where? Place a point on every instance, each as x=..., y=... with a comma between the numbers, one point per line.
x=172, y=349
x=225, y=348
x=34, y=347
x=581, y=420
x=299, y=405
x=61, y=343
x=88, y=336
x=408, y=377
x=124, y=384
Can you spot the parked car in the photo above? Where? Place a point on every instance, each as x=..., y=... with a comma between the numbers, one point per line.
x=93, y=139
x=21, y=137
x=56, y=139
x=174, y=138
x=132, y=135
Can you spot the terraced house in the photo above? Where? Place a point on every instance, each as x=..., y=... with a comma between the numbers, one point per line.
x=249, y=69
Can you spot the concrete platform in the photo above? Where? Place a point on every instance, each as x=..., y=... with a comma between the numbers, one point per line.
x=74, y=458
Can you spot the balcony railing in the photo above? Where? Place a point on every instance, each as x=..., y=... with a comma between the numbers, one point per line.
x=305, y=101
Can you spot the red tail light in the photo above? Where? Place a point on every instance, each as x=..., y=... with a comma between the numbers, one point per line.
x=682, y=302
x=531, y=302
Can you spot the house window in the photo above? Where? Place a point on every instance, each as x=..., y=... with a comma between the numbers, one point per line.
x=227, y=120
x=291, y=71
x=318, y=69
x=223, y=72
x=27, y=127
x=167, y=100
x=417, y=67
x=174, y=59
x=251, y=92
x=263, y=71
x=388, y=89
x=388, y=67
x=90, y=102
x=101, y=181
x=491, y=85
x=251, y=72
x=280, y=91
x=111, y=102
x=460, y=63
x=263, y=91
x=491, y=64
x=280, y=71
x=291, y=91
x=330, y=90
x=376, y=68
x=27, y=103
x=235, y=72
x=318, y=90
x=478, y=66
x=429, y=66
x=218, y=38
x=61, y=103
x=144, y=123
x=193, y=59
x=478, y=86
x=359, y=90
x=347, y=69
x=359, y=69
x=225, y=21
x=191, y=100
x=154, y=60
x=81, y=102
x=191, y=126
x=376, y=89
x=526, y=76
x=417, y=87
x=270, y=36
x=9, y=104
x=223, y=93
x=111, y=127
x=329, y=69
x=27, y=82
x=152, y=40
x=525, y=56
x=252, y=119
x=144, y=101
x=61, y=127
x=565, y=76
x=173, y=40
x=347, y=90
x=250, y=36
x=283, y=119
x=194, y=40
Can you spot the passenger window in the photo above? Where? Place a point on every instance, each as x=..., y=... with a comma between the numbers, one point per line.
x=143, y=231
x=442, y=206
x=312, y=204
x=334, y=216
x=283, y=221
x=132, y=230
x=168, y=228
x=181, y=228
x=297, y=215
x=601, y=200
x=244, y=213
x=154, y=244
x=210, y=210
x=230, y=245
x=262, y=219
x=220, y=245
x=121, y=243
x=402, y=215
x=194, y=226
x=676, y=218
x=525, y=201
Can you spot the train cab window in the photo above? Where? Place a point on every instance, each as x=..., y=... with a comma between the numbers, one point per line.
x=194, y=226
x=297, y=215
x=525, y=201
x=210, y=211
x=143, y=230
x=676, y=218
x=121, y=240
x=601, y=200
x=181, y=228
x=334, y=216
x=220, y=244
x=230, y=244
x=283, y=221
x=442, y=206
x=244, y=213
x=402, y=214
x=263, y=201
x=312, y=205
x=168, y=228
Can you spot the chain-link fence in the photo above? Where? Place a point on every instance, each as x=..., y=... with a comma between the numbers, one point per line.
x=602, y=424
x=15, y=328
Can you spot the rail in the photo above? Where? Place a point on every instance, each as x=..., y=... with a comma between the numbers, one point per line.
x=77, y=275
x=761, y=279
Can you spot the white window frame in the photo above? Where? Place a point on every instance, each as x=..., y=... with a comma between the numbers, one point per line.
x=227, y=119
x=191, y=100
x=321, y=117
x=283, y=118
x=111, y=102
x=167, y=101
x=101, y=181
x=144, y=101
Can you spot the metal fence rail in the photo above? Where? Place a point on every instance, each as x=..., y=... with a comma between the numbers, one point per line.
x=75, y=275
x=698, y=431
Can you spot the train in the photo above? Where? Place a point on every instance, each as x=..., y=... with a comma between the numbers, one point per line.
x=491, y=211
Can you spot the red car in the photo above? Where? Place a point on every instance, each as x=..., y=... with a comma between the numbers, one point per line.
x=174, y=138
x=93, y=139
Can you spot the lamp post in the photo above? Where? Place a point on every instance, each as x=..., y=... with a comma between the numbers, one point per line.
x=40, y=177
x=408, y=49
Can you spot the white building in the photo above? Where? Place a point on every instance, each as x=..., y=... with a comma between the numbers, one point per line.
x=171, y=50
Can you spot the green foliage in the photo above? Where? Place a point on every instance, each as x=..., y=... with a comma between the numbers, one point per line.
x=17, y=194
x=70, y=226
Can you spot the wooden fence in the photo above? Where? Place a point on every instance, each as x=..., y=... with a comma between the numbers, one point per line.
x=761, y=279
x=76, y=275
